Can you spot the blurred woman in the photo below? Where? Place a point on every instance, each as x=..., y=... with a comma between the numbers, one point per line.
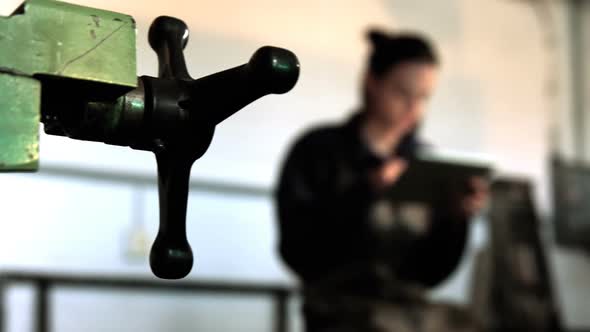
x=360, y=256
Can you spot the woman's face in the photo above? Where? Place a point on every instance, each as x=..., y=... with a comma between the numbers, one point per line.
x=399, y=97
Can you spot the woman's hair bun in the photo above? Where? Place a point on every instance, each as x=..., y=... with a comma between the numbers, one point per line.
x=377, y=37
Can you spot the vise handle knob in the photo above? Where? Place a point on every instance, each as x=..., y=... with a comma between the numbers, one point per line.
x=183, y=114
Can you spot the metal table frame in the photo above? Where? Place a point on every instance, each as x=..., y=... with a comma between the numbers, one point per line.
x=45, y=283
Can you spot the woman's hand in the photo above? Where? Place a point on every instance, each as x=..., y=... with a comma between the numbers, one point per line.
x=476, y=198
x=387, y=174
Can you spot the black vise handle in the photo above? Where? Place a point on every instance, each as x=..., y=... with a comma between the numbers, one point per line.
x=183, y=113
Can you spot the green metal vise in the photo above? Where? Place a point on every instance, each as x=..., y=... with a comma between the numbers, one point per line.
x=73, y=68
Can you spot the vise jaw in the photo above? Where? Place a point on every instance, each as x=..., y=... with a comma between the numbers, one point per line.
x=46, y=48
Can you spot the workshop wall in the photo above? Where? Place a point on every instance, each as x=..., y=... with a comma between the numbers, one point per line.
x=503, y=87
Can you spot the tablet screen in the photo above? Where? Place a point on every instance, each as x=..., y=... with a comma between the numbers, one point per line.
x=431, y=174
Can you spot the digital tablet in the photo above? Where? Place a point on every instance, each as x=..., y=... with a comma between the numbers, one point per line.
x=435, y=173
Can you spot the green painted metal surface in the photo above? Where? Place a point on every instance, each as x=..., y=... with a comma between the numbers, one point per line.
x=19, y=123
x=47, y=39
x=56, y=38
